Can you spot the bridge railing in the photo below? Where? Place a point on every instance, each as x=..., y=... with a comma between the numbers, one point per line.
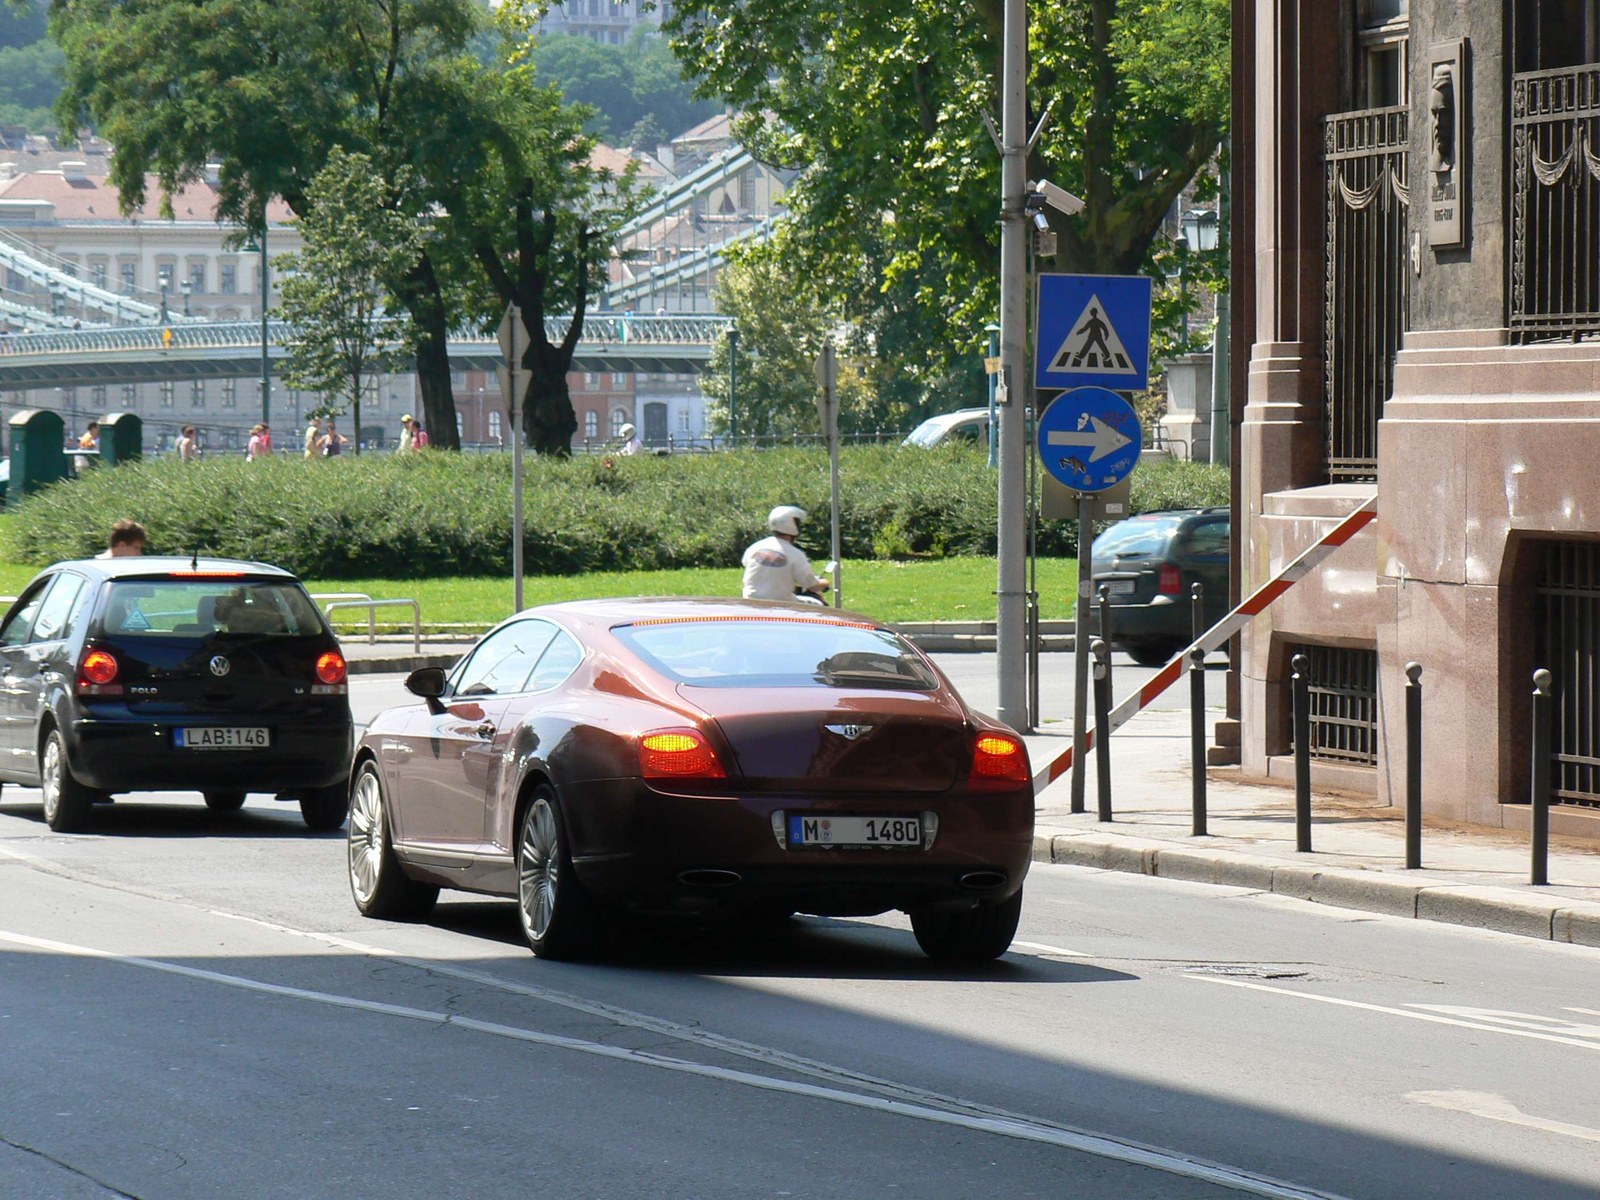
x=609, y=329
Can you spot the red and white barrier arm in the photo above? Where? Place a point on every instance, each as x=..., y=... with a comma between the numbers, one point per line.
x=1217, y=636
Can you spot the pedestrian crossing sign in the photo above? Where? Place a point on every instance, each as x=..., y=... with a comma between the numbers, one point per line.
x=1093, y=331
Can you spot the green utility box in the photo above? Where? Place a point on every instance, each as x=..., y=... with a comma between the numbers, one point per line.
x=38, y=457
x=121, y=438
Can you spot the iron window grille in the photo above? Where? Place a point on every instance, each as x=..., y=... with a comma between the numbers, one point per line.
x=1343, y=696
x=1366, y=301
x=1569, y=646
x=1555, y=204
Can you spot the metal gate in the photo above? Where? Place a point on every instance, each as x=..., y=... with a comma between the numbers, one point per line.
x=1344, y=704
x=1569, y=645
x=1366, y=294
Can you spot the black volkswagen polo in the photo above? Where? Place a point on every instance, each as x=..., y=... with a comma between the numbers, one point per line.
x=149, y=674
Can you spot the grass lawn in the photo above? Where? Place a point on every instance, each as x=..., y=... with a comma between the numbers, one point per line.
x=950, y=589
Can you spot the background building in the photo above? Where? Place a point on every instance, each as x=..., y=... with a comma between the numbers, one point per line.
x=1419, y=277
x=68, y=218
x=610, y=21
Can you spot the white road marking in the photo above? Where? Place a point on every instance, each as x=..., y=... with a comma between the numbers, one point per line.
x=1515, y=1020
x=1020, y=1129
x=1412, y=1014
x=1498, y=1108
x=1043, y=949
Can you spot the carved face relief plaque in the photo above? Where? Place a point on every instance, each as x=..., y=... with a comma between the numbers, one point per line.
x=1447, y=144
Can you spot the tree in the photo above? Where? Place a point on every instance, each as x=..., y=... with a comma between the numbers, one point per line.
x=268, y=88
x=622, y=85
x=881, y=112
x=356, y=244
x=537, y=220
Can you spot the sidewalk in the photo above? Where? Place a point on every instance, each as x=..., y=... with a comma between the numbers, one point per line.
x=1470, y=876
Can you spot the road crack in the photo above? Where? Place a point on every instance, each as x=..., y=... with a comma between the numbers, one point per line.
x=68, y=1167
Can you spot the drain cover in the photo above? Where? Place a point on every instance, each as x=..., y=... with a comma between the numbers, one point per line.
x=1249, y=970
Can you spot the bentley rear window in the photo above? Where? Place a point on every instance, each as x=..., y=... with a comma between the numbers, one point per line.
x=778, y=652
x=205, y=608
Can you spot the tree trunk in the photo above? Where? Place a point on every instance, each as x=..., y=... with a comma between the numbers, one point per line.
x=425, y=298
x=548, y=420
x=355, y=412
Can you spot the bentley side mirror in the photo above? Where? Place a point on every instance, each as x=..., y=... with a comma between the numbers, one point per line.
x=427, y=682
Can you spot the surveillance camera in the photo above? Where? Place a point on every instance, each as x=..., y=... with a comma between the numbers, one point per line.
x=1058, y=197
x=1041, y=222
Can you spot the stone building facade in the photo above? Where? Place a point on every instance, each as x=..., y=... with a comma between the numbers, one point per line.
x=1417, y=267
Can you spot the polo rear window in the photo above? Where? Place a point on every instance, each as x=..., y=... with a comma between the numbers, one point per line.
x=201, y=608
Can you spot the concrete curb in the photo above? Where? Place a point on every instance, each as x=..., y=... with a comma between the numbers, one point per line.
x=399, y=662
x=1503, y=909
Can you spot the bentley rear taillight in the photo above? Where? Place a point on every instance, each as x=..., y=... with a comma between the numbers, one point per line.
x=678, y=754
x=999, y=763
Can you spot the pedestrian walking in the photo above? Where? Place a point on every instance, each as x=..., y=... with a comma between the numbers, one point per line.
x=188, y=445
x=408, y=434
x=314, y=437
x=419, y=436
x=332, y=442
x=630, y=440
x=260, y=442
x=127, y=540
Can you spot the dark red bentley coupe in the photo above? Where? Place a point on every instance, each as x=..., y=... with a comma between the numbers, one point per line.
x=695, y=755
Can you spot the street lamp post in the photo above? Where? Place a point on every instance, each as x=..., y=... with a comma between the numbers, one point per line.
x=185, y=287
x=164, y=278
x=251, y=247
x=733, y=383
x=1201, y=230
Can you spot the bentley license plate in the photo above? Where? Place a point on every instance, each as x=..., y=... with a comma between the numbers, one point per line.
x=855, y=831
x=220, y=737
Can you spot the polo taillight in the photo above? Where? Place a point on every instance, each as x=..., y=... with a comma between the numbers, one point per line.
x=999, y=763
x=678, y=754
x=330, y=667
x=1171, y=580
x=97, y=674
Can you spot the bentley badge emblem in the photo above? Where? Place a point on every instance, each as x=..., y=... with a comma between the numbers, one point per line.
x=220, y=666
x=848, y=732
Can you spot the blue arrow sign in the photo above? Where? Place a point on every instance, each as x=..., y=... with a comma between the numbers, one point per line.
x=1094, y=331
x=1089, y=439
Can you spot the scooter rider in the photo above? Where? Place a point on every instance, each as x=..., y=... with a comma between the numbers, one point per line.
x=775, y=568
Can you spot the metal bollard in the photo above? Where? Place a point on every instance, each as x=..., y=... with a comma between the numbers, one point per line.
x=1197, y=736
x=1540, y=874
x=1102, y=725
x=1413, y=766
x=1197, y=610
x=1105, y=619
x=1302, y=753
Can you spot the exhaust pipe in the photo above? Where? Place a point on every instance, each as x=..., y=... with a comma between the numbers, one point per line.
x=983, y=881
x=709, y=877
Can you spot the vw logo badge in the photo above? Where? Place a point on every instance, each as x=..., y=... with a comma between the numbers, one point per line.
x=848, y=732
x=220, y=666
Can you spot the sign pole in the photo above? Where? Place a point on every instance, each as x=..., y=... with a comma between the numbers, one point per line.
x=1080, y=648
x=828, y=410
x=513, y=338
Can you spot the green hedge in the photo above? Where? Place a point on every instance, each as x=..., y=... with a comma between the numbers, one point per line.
x=444, y=514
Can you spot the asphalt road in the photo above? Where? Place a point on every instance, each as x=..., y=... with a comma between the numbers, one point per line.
x=190, y=1007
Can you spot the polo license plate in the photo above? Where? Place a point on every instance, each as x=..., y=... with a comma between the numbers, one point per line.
x=221, y=737
x=1119, y=587
x=855, y=831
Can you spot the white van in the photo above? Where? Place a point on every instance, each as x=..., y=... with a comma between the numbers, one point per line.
x=969, y=426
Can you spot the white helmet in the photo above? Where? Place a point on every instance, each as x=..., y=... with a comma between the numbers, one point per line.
x=786, y=518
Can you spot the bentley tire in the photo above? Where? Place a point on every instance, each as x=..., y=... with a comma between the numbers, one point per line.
x=972, y=935
x=378, y=882
x=556, y=914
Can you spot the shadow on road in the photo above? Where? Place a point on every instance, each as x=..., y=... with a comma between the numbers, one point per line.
x=796, y=948
x=134, y=818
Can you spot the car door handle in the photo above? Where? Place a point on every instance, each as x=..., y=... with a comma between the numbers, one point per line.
x=486, y=731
